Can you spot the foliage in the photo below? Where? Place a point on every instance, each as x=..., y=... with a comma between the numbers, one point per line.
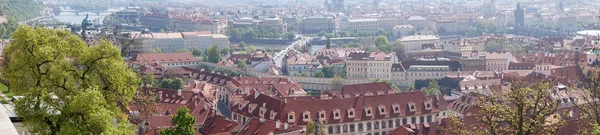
x=17, y=10
x=301, y=74
x=183, y=50
x=290, y=36
x=336, y=82
x=432, y=89
x=350, y=45
x=242, y=44
x=145, y=101
x=329, y=71
x=315, y=127
x=148, y=79
x=313, y=92
x=494, y=47
x=250, y=49
x=168, y=83
x=319, y=74
x=381, y=41
x=400, y=52
x=389, y=83
x=155, y=50
x=225, y=51
x=197, y=52
x=328, y=43
x=212, y=54
x=588, y=94
x=516, y=49
x=68, y=87
x=258, y=33
x=183, y=121
x=241, y=64
x=525, y=109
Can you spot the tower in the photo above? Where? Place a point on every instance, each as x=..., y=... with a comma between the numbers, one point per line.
x=519, y=16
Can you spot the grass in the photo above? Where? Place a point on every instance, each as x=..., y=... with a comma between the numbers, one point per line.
x=8, y=94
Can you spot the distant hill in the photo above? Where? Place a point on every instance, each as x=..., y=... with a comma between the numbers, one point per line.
x=15, y=11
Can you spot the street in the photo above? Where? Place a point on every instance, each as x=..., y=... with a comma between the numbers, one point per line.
x=278, y=59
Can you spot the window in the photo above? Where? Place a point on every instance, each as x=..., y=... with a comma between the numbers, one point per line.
x=330, y=129
x=376, y=125
x=421, y=119
x=383, y=125
x=351, y=113
x=390, y=123
x=352, y=128
x=404, y=122
x=396, y=108
x=369, y=126
x=360, y=127
x=398, y=123
x=414, y=120
x=345, y=128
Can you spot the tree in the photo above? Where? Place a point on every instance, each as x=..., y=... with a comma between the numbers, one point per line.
x=145, y=101
x=168, y=83
x=242, y=44
x=155, y=50
x=290, y=36
x=400, y=52
x=241, y=64
x=319, y=74
x=389, y=83
x=381, y=42
x=433, y=88
x=328, y=71
x=68, y=87
x=183, y=50
x=588, y=94
x=212, y=54
x=250, y=49
x=197, y=52
x=183, y=123
x=328, y=43
x=302, y=74
x=225, y=51
x=148, y=79
x=493, y=47
x=315, y=127
x=336, y=82
x=523, y=110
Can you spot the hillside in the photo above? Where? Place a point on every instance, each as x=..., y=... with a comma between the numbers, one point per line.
x=17, y=10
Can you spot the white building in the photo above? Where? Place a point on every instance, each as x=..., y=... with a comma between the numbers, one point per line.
x=171, y=42
x=403, y=30
x=412, y=43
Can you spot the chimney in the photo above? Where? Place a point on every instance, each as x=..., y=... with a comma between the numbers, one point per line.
x=179, y=92
x=285, y=100
x=277, y=124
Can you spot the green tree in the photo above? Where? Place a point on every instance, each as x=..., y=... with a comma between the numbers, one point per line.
x=319, y=74
x=302, y=74
x=315, y=127
x=493, y=46
x=166, y=83
x=389, y=83
x=382, y=43
x=183, y=50
x=148, y=79
x=336, y=82
x=197, y=52
x=328, y=71
x=183, y=123
x=225, y=51
x=523, y=110
x=433, y=88
x=68, y=87
x=250, y=49
x=400, y=52
x=155, y=50
x=212, y=54
x=242, y=64
x=242, y=45
x=328, y=43
x=290, y=36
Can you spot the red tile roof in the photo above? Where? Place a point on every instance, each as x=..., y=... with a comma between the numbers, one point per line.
x=363, y=89
x=218, y=124
x=287, y=106
x=416, y=129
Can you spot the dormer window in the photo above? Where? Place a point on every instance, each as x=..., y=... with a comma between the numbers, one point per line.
x=411, y=107
x=322, y=115
x=381, y=109
x=305, y=116
x=351, y=113
x=368, y=111
x=291, y=118
x=272, y=115
x=428, y=104
x=262, y=112
x=336, y=114
x=396, y=108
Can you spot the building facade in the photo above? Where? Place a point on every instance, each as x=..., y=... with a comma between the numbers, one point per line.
x=374, y=65
x=413, y=43
x=317, y=24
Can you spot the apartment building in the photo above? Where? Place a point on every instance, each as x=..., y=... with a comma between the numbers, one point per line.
x=422, y=70
x=497, y=61
x=416, y=42
x=417, y=21
x=374, y=65
x=317, y=24
x=375, y=114
x=272, y=23
x=403, y=30
x=167, y=60
x=366, y=25
x=171, y=42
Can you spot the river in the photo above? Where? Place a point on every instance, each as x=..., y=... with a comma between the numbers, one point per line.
x=71, y=18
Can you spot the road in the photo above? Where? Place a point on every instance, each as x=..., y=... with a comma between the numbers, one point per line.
x=278, y=59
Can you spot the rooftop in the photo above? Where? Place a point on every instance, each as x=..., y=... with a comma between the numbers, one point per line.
x=418, y=38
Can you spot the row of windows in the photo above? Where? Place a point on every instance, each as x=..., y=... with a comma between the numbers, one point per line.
x=181, y=64
x=377, y=125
